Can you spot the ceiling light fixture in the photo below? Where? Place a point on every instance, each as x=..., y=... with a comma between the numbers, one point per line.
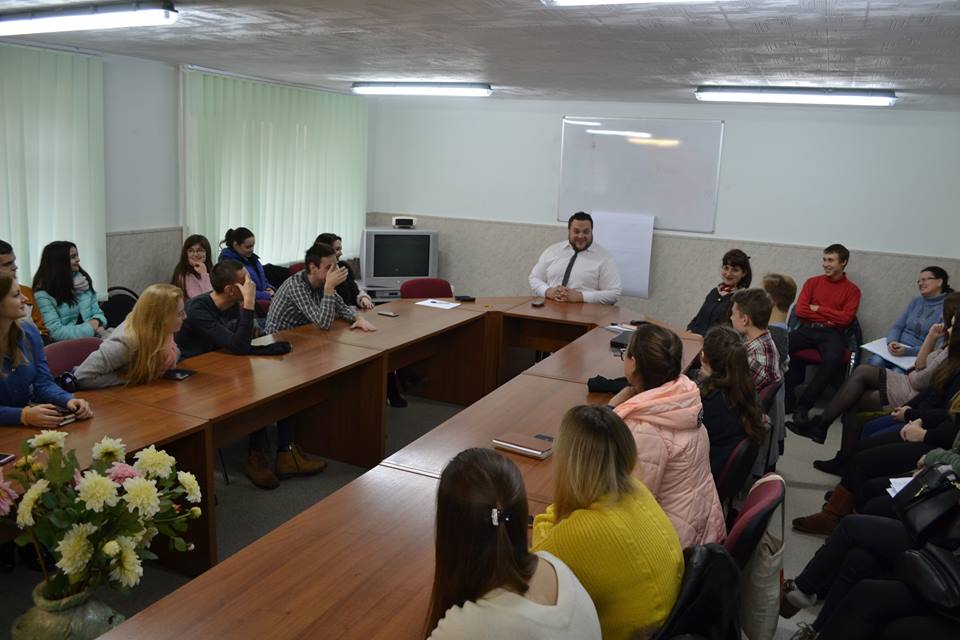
x=89, y=16
x=798, y=95
x=628, y=134
x=594, y=3
x=583, y=122
x=462, y=89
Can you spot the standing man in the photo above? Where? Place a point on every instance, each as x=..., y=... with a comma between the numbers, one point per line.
x=826, y=307
x=576, y=270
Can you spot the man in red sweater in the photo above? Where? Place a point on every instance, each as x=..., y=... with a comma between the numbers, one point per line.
x=826, y=307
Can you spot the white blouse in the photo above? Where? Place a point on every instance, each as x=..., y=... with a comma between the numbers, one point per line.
x=504, y=614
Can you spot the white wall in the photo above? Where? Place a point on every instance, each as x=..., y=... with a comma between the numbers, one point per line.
x=874, y=180
x=140, y=148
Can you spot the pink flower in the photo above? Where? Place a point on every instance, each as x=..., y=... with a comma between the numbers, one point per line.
x=7, y=495
x=119, y=472
x=77, y=477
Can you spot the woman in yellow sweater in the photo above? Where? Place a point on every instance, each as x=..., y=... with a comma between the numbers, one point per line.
x=607, y=526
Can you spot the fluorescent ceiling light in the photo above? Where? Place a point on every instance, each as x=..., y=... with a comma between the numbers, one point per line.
x=463, y=89
x=583, y=122
x=628, y=134
x=90, y=16
x=594, y=3
x=798, y=95
x=655, y=142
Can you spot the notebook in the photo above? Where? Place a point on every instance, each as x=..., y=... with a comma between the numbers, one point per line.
x=539, y=446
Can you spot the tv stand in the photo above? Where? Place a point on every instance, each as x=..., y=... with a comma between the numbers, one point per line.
x=380, y=295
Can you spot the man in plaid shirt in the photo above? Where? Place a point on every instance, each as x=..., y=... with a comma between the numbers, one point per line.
x=750, y=315
x=310, y=296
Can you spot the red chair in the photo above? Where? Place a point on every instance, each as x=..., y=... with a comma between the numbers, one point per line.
x=296, y=267
x=736, y=470
x=426, y=288
x=65, y=355
x=766, y=495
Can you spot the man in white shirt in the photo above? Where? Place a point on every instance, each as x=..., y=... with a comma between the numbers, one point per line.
x=576, y=270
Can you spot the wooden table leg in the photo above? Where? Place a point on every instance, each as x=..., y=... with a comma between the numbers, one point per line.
x=195, y=453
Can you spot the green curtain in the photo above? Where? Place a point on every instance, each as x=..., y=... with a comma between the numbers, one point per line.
x=51, y=156
x=287, y=163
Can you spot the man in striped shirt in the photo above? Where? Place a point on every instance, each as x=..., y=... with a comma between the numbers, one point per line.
x=310, y=296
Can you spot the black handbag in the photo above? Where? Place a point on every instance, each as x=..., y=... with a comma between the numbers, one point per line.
x=927, y=499
x=933, y=573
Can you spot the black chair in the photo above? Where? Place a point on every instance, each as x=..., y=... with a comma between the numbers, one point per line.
x=119, y=303
x=709, y=602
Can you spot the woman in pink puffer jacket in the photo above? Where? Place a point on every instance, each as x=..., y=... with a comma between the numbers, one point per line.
x=663, y=410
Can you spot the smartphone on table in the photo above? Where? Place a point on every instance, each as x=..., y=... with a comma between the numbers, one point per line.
x=178, y=374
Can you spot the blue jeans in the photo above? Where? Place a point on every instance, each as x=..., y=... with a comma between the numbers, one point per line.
x=877, y=361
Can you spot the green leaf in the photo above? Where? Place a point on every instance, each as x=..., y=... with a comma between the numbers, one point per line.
x=180, y=525
x=146, y=554
x=23, y=539
x=45, y=534
x=24, y=447
x=60, y=519
x=179, y=544
x=165, y=530
x=49, y=500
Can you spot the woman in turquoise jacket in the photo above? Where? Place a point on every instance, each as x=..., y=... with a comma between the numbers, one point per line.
x=64, y=293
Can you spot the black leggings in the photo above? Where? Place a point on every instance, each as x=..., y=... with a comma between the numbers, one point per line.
x=886, y=608
x=860, y=547
x=882, y=456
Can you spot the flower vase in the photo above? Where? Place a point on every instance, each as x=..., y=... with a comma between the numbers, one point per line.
x=78, y=617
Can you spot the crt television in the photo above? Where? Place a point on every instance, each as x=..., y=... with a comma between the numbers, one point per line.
x=389, y=257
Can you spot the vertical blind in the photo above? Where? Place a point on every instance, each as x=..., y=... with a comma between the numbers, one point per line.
x=51, y=157
x=287, y=163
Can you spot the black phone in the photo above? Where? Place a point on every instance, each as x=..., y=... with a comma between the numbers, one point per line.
x=544, y=437
x=638, y=323
x=464, y=298
x=6, y=457
x=178, y=374
x=68, y=416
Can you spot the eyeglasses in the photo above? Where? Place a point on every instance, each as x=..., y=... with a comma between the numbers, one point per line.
x=922, y=280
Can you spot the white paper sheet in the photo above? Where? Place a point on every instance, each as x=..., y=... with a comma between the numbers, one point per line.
x=438, y=304
x=879, y=347
x=897, y=485
x=263, y=340
x=629, y=239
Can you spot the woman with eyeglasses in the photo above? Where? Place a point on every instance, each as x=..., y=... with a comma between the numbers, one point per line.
x=142, y=348
x=663, y=410
x=907, y=333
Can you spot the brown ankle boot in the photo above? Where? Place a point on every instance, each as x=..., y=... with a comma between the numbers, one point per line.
x=823, y=523
x=293, y=463
x=259, y=471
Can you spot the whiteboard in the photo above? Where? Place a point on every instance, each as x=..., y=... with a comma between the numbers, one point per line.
x=629, y=239
x=665, y=168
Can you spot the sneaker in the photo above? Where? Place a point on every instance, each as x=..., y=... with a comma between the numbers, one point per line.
x=293, y=463
x=792, y=599
x=259, y=471
x=805, y=632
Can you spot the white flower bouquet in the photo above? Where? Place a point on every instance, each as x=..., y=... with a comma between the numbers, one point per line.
x=97, y=525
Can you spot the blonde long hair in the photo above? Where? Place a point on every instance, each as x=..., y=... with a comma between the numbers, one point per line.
x=150, y=325
x=10, y=344
x=595, y=456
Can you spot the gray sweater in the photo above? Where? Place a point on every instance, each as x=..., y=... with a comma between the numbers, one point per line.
x=102, y=367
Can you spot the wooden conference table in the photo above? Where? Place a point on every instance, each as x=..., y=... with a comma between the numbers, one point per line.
x=359, y=563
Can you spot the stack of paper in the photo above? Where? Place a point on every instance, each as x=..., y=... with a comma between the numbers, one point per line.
x=439, y=304
x=897, y=485
x=879, y=347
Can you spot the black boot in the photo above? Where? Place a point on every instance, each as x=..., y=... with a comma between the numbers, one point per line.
x=393, y=392
x=814, y=429
x=833, y=466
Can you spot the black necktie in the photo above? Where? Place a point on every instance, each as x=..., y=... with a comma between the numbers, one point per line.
x=566, y=274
